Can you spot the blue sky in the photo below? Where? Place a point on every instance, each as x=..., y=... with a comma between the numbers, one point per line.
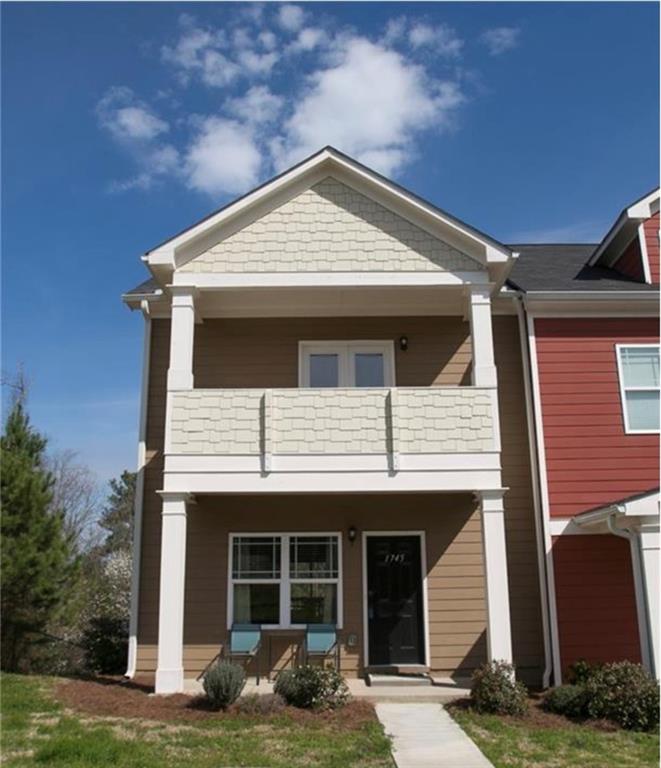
x=124, y=123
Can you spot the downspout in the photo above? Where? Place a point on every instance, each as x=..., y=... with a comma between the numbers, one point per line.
x=139, y=493
x=639, y=586
x=540, y=533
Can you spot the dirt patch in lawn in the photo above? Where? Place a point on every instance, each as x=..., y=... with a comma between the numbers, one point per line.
x=115, y=697
x=538, y=717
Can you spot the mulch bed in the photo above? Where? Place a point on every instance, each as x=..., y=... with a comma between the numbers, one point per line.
x=537, y=717
x=116, y=697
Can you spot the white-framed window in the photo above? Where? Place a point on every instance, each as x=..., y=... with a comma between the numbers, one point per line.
x=285, y=580
x=346, y=364
x=638, y=370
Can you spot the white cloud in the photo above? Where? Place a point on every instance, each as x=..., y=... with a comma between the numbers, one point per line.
x=578, y=232
x=290, y=17
x=308, y=39
x=442, y=39
x=217, y=70
x=128, y=119
x=258, y=106
x=268, y=39
x=223, y=158
x=395, y=30
x=370, y=103
x=500, y=39
x=258, y=63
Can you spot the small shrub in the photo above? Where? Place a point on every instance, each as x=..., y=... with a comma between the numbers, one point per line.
x=495, y=690
x=581, y=671
x=105, y=643
x=254, y=704
x=312, y=688
x=625, y=693
x=568, y=700
x=223, y=683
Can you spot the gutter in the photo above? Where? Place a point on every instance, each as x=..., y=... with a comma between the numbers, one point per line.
x=644, y=628
x=139, y=496
x=537, y=505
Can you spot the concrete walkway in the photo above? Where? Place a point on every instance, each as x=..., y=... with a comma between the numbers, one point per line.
x=425, y=736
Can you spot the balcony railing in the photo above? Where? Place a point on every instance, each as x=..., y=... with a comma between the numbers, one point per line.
x=333, y=422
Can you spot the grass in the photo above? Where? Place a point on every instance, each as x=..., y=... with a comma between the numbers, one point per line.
x=509, y=744
x=36, y=730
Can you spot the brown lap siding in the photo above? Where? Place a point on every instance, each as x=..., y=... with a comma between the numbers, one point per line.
x=264, y=352
x=455, y=575
x=524, y=588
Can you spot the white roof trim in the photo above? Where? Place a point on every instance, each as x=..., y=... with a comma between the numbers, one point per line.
x=641, y=506
x=161, y=259
x=639, y=211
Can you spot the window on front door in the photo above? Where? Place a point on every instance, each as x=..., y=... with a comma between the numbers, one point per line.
x=346, y=364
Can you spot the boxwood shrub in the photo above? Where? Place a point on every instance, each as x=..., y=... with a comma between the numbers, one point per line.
x=568, y=700
x=625, y=693
x=496, y=690
x=311, y=687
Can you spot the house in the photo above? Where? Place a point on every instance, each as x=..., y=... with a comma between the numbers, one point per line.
x=352, y=414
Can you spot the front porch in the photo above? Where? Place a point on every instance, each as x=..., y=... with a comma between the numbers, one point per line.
x=445, y=611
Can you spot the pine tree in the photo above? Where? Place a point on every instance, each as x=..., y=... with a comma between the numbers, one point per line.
x=38, y=566
x=117, y=516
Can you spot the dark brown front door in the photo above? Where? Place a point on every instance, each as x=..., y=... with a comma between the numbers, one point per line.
x=394, y=600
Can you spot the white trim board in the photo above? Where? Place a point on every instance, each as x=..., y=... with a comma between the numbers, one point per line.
x=425, y=597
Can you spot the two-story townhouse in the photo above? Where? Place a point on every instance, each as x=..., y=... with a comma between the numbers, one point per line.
x=339, y=424
x=593, y=333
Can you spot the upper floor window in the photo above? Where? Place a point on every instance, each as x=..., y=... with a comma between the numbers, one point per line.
x=346, y=364
x=638, y=367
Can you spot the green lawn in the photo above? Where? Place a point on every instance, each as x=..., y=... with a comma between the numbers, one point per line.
x=36, y=730
x=509, y=744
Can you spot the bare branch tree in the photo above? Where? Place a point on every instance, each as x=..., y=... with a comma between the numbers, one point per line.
x=76, y=492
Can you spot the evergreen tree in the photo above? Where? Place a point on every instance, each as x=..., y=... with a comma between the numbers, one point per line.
x=117, y=516
x=38, y=566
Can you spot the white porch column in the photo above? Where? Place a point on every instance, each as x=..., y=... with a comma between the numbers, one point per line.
x=170, y=669
x=499, y=636
x=648, y=537
x=180, y=373
x=479, y=314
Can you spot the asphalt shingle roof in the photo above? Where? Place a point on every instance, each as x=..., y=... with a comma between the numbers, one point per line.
x=563, y=267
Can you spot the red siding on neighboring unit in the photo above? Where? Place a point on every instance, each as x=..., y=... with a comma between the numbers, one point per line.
x=595, y=599
x=652, y=241
x=590, y=460
x=630, y=262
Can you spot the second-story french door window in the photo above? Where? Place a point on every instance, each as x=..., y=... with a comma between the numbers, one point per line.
x=346, y=364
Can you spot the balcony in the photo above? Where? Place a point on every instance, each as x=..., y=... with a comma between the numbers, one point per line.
x=252, y=438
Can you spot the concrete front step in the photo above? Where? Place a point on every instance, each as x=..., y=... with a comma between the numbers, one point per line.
x=379, y=680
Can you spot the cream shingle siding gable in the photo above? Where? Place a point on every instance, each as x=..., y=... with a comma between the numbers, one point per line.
x=330, y=228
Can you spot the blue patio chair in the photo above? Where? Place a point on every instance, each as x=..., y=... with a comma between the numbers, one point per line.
x=321, y=640
x=245, y=642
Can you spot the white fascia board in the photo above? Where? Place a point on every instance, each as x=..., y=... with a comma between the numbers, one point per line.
x=646, y=207
x=592, y=304
x=643, y=506
x=635, y=213
x=332, y=482
x=213, y=280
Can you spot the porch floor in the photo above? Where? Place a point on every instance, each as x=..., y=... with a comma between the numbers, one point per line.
x=443, y=689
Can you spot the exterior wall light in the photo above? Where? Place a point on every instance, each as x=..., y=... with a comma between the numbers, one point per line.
x=403, y=343
x=352, y=533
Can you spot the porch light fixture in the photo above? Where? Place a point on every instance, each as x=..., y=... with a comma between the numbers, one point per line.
x=352, y=533
x=403, y=343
